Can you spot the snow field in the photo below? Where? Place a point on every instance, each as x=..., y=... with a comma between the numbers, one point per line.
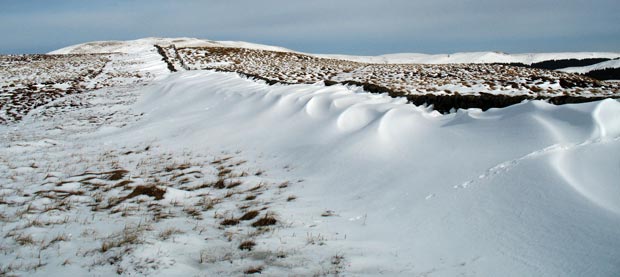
x=210, y=173
x=97, y=207
x=502, y=192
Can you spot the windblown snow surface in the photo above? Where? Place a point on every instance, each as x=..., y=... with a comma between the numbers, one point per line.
x=527, y=190
x=391, y=188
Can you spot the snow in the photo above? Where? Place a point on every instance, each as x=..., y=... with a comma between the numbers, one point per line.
x=400, y=58
x=471, y=57
x=381, y=187
x=533, y=203
x=138, y=45
x=586, y=69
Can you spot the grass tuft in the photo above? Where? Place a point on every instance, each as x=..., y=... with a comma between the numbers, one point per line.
x=150, y=190
x=229, y=222
x=267, y=220
x=247, y=245
x=249, y=215
x=117, y=174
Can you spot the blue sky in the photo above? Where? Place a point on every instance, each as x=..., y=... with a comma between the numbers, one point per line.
x=366, y=27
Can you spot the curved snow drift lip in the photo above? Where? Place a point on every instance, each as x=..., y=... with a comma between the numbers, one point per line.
x=484, y=101
x=348, y=112
x=446, y=103
x=570, y=160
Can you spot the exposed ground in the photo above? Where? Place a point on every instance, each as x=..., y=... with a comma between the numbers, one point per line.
x=30, y=81
x=71, y=204
x=446, y=86
x=137, y=209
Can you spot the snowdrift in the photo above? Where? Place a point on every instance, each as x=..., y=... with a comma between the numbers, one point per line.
x=388, y=187
x=526, y=190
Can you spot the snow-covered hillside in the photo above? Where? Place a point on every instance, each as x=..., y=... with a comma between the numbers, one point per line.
x=400, y=58
x=205, y=173
x=472, y=57
x=586, y=69
x=139, y=45
x=29, y=81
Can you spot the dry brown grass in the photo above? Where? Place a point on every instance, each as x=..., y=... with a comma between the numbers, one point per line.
x=249, y=215
x=247, y=245
x=117, y=174
x=266, y=220
x=229, y=222
x=169, y=232
x=233, y=184
x=148, y=190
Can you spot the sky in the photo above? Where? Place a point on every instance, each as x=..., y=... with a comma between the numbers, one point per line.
x=358, y=27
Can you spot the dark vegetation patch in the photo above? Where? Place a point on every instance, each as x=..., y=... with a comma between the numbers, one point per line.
x=223, y=172
x=605, y=74
x=247, y=245
x=229, y=222
x=220, y=184
x=558, y=64
x=249, y=215
x=117, y=174
x=267, y=220
x=599, y=74
x=233, y=184
x=149, y=190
